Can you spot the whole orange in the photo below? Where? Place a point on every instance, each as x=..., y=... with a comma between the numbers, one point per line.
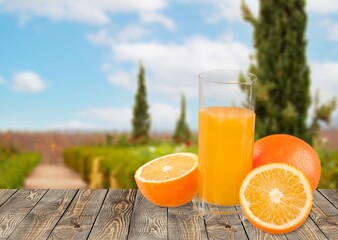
x=288, y=149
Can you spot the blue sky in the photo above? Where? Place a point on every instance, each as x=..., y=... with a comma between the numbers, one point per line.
x=73, y=64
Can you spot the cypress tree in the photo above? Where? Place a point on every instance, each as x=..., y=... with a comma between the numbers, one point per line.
x=182, y=132
x=283, y=86
x=141, y=116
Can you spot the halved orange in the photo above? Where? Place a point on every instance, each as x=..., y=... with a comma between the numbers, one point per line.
x=276, y=198
x=169, y=181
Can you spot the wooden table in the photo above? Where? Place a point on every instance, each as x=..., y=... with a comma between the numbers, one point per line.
x=125, y=214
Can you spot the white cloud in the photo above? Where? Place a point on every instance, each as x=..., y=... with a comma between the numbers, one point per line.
x=153, y=17
x=322, y=7
x=2, y=80
x=230, y=10
x=163, y=116
x=123, y=79
x=331, y=29
x=324, y=77
x=101, y=37
x=227, y=10
x=130, y=33
x=117, y=118
x=28, y=82
x=86, y=11
x=172, y=69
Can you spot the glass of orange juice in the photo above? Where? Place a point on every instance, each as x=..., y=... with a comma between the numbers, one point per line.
x=226, y=122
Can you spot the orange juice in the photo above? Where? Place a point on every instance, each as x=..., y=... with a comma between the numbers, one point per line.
x=226, y=138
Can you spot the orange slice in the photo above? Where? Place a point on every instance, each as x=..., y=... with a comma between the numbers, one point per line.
x=170, y=180
x=276, y=198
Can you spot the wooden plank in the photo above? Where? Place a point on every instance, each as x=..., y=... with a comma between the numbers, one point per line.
x=325, y=215
x=114, y=217
x=15, y=209
x=149, y=221
x=39, y=223
x=331, y=195
x=184, y=222
x=225, y=226
x=6, y=194
x=255, y=233
x=80, y=216
x=309, y=230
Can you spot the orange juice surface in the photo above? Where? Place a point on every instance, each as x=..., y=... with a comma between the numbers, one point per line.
x=225, y=145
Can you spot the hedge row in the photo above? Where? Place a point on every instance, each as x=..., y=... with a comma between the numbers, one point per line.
x=14, y=168
x=112, y=167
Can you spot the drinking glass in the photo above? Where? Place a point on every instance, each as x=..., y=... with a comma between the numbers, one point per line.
x=226, y=123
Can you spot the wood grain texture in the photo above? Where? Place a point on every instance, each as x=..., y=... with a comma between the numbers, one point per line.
x=254, y=233
x=126, y=214
x=15, y=209
x=184, y=222
x=115, y=215
x=225, y=226
x=44, y=216
x=149, y=221
x=6, y=194
x=77, y=222
x=325, y=215
x=331, y=195
x=309, y=230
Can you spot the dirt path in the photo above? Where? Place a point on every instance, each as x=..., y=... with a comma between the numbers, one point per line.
x=54, y=176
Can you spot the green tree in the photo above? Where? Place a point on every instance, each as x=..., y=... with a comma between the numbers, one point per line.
x=283, y=86
x=182, y=132
x=141, y=117
x=322, y=112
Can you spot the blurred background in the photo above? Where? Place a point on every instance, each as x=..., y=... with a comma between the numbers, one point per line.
x=90, y=90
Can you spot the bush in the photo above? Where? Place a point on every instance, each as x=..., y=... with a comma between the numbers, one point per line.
x=114, y=167
x=15, y=167
x=329, y=163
